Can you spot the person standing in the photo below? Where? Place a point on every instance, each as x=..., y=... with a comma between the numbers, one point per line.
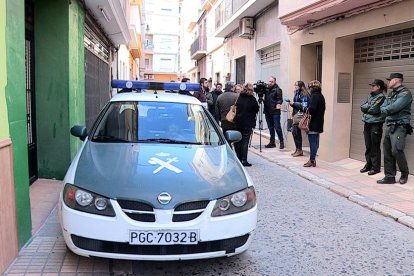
x=300, y=102
x=201, y=95
x=212, y=97
x=373, y=122
x=247, y=108
x=185, y=92
x=223, y=104
x=273, y=100
x=316, y=109
x=397, y=109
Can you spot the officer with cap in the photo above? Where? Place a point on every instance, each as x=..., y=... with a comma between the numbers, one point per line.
x=397, y=112
x=373, y=121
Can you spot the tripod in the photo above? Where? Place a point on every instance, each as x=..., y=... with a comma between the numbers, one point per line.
x=260, y=100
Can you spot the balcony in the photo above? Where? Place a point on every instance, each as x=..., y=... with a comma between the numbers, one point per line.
x=320, y=12
x=199, y=48
x=149, y=47
x=229, y=13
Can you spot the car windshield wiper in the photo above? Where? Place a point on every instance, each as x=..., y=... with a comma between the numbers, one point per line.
x=108, y=138
x=167, y=141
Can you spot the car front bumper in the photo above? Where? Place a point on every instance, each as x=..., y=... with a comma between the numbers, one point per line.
x=93, y=235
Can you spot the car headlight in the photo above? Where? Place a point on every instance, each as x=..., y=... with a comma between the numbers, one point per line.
x=86, y=201
x=235, y=203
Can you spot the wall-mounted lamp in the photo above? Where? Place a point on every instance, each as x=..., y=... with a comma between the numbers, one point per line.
x=105, y=14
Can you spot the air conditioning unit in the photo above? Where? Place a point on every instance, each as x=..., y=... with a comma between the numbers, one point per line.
x=246, y=27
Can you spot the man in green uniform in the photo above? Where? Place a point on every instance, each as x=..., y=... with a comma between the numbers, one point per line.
x=397, y=111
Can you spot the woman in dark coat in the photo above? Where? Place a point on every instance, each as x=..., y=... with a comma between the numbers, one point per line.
x=300, y=102
x=316, y=109
x=247, y=108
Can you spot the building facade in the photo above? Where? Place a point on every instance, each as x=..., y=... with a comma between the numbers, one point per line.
x=55, y=72
x=161, y=40
x=346, y=45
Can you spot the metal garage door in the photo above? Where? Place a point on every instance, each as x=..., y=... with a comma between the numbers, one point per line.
x=375, y=58
x=270, y=63
x=97, y=74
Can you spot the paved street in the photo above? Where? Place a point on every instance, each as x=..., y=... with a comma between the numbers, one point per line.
x=303, y=229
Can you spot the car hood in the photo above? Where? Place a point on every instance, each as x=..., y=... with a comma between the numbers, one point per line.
x=143, y=171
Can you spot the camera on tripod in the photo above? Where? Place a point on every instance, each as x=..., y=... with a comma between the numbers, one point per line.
x=260, y=88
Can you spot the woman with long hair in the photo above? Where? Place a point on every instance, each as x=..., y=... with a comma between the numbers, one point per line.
x=247, y=108
x=300, y=102
x=316, y=109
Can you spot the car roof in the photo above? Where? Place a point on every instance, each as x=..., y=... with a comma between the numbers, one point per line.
x=154, y=97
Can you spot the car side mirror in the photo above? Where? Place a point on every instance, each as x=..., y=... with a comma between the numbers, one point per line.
x=233, y=136
x=79, y=131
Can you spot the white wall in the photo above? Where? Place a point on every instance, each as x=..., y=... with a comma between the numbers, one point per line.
x=289, y=6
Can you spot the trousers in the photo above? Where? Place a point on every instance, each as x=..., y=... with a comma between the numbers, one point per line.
x=372, y=137
x=393, y=145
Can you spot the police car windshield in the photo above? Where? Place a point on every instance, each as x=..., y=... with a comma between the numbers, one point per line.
x=156, y=122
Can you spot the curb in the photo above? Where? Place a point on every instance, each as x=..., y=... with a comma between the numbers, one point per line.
x=344, y=192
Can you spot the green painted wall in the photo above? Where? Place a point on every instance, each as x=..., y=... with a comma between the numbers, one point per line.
x=4, y=124
x=59, y=82
x=16, y=106
x=76, y=71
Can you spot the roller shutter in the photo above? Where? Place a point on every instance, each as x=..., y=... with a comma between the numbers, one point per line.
x=375, y=57
x=97, y=71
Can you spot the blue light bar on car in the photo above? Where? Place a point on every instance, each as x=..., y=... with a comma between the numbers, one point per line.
x=150, y=85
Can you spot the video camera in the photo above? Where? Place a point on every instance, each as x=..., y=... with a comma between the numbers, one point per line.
x=260, y=88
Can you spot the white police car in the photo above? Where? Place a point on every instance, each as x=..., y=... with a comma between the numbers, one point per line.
x=155, y=179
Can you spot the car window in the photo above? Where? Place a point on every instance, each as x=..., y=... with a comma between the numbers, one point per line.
x=156, y=122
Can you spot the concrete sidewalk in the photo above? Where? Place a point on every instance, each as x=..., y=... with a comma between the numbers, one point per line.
x=343, y=177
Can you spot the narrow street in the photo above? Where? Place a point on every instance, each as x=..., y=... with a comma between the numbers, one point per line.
x=303, y=229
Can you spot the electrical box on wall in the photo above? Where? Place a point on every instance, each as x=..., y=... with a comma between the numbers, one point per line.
x=246, y=27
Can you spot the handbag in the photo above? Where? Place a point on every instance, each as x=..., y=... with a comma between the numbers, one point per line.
x=297, y=117
x=304, y=122
x=232, y=112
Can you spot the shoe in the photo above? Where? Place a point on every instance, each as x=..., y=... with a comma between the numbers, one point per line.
x=270, y=145
x=293, y=153
x=386, y=180
x=310, y=163
x=403, y=178
x=281, y=146
x=365, y=169
x=298, y=153
x=372, y=172
x=246, y=164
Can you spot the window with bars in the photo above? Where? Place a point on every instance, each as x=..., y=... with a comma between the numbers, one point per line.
x=385, y=47
x=270, y=54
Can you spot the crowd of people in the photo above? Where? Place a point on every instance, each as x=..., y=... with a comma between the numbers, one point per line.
x=393, y=109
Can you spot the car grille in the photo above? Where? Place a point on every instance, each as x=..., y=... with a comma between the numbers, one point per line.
x=137, y=210
x=189, y=210
x=228, y=245
x=144, y=212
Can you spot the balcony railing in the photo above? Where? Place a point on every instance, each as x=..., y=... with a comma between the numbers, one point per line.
x=226, y=10
x=199, y=47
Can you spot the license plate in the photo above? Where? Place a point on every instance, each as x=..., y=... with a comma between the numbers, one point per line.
x=164, y=237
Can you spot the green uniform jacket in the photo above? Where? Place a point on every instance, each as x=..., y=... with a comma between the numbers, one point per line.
x=397, y=106
x=371, y=108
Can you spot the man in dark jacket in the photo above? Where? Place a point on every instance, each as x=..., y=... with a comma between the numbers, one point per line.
x=212, y=98
x=397, y=109
x=201, y=95
x=224, y=101
x=273, y=100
